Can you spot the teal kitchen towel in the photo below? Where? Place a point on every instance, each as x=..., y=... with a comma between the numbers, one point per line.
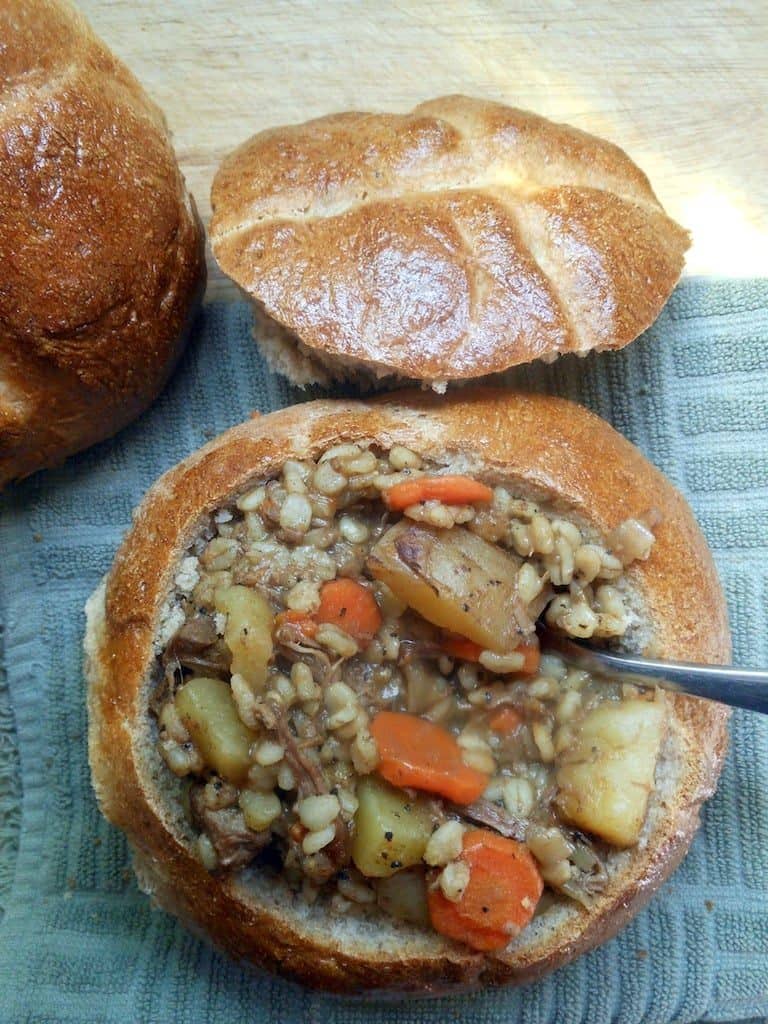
x=79, y=943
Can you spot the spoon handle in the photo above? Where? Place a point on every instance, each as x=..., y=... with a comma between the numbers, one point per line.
x=739, y=687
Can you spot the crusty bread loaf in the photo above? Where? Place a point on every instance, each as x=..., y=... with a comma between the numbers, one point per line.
x=100, y=247
x=441, y=245
x=545, y=448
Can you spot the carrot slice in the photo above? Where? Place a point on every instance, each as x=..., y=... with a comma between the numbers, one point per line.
x=297, y=831
x=415, y=752
x=456, y=646
x=500, y=899
x=451, y=490
x=303, y=622
x=461, y=647
x=350, y=606
x=447, y=919
x=532, y=653
x=505, y=721
x=502, y=864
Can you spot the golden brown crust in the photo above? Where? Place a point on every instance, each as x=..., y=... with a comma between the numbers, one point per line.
x=545, y=445
x=454, y=241
x=101, y=249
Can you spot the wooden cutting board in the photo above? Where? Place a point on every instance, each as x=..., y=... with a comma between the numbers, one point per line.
x=683, y=87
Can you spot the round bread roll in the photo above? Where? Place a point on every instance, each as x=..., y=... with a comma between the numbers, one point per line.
x=100, y=245
x=455, y=241
x=539, y=447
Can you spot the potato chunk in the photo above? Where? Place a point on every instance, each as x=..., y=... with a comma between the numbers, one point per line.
x=606, y=775
x=404, y=895
x=425, y=686
x=391, y=828
x=248, y=633
x=208, y=712
x=456, y=580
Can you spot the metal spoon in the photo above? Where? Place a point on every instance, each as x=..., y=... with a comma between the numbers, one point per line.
x=739, y=687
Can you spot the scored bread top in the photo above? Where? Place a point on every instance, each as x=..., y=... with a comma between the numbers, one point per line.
x=541, y=447
x=454, y=241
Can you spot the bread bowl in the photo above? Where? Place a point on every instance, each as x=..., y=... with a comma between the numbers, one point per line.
x=451, y=242
x=100, y=245
x=168, y=571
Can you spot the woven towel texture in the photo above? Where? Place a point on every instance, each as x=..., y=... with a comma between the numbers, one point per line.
x=78, y=943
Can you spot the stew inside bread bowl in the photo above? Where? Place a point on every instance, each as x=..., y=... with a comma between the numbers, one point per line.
x=341, y=749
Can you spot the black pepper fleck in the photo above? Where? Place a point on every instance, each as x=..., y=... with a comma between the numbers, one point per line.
x=388, y=836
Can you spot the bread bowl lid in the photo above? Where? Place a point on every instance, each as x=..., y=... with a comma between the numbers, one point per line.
x=457, y=240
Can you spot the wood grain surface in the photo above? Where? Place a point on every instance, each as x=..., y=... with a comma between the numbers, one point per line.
x=683, y=87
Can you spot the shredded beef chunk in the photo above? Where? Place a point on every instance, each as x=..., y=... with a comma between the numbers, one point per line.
x=307, y=774
x=235, y=844
x=195, y=646
x=483, y=812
